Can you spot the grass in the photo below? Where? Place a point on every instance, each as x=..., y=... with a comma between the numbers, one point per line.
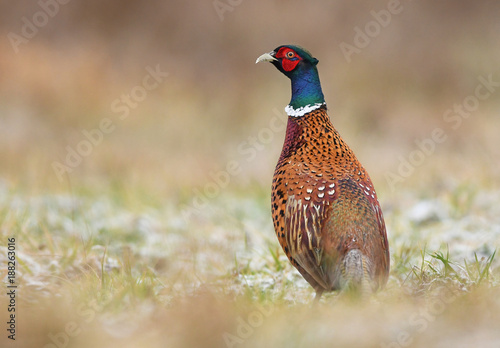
x=131, y=275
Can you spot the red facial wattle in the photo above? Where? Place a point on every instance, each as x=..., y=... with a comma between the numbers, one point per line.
x=288, y=64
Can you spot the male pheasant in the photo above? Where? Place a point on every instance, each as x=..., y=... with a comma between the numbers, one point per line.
x=325, y=210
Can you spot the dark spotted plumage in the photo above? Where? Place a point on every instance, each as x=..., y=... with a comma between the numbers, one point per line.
x=325, y=210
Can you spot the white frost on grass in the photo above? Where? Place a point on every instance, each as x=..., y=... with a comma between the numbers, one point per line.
x=427, y=211
x=233, y=242
x=475, y=229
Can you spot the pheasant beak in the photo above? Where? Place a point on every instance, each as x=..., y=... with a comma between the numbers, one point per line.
x=266, y=57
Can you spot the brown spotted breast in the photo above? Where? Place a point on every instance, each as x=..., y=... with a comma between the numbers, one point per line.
x=325, y=210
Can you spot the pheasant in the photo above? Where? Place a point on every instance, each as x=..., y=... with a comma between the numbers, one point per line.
x=324, y=207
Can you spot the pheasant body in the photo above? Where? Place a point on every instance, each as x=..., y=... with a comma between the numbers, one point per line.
x=324, y=206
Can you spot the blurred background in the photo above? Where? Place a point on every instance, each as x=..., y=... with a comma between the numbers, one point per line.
x=62, y=67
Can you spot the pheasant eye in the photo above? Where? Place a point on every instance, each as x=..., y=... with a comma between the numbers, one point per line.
x=290, y=54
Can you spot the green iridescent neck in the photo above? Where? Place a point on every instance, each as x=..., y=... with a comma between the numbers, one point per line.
x=306, y=88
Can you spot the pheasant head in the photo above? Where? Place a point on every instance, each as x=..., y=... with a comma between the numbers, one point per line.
x=300, y=66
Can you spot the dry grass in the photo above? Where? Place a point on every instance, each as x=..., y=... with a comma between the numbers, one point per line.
x=120, y=274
